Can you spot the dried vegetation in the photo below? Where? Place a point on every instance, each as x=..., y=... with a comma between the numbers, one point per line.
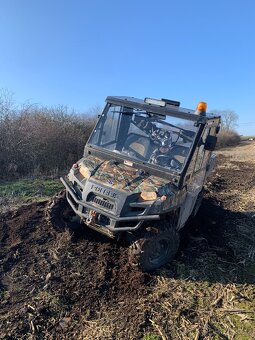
x=36, y=140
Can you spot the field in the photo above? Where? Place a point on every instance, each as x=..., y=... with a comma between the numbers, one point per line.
x=54, y=285
x=247, y=137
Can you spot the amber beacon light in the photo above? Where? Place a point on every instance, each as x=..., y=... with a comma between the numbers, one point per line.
x=201, y=109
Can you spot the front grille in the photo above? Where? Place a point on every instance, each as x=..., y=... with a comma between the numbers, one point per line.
x=103, y=203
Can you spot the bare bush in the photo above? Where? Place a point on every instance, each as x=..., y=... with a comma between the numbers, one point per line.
x=229, y=118
x=228, y=138
x=39, y=140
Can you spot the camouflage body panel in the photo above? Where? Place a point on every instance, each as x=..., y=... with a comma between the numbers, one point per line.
x=92, y=163
x=123, y=177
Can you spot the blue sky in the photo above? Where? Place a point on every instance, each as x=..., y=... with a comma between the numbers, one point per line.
x=76, y=53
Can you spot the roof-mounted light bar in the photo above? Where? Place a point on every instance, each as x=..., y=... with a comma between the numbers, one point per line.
x=161, y=102
x=152, y=101
x=171, y=102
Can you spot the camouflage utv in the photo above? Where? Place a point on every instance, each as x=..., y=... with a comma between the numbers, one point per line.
x=142, y=175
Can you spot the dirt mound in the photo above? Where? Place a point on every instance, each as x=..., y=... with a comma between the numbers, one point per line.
x=50, y=280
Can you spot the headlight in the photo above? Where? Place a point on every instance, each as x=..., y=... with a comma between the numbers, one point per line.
x=84, y=171
x=148, y=196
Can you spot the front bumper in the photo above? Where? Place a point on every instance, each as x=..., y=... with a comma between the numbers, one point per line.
x=114, y=221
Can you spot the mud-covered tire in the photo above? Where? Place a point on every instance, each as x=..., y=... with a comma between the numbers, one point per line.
x=155, y=248
x=59, y=214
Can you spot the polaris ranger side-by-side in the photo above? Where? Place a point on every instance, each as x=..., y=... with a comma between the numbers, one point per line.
x=142, y=174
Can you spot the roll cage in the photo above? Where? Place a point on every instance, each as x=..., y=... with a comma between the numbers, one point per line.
x=177, y=177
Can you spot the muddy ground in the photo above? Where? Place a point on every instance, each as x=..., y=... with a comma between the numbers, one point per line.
x=54, y=285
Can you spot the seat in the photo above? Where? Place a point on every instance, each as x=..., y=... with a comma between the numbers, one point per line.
x=138, y=144
x=179, y=153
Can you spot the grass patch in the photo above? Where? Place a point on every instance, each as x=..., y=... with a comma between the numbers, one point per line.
x=27, y=190
x=247, y=137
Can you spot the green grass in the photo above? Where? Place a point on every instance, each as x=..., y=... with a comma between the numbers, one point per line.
x=247, y=137
x=26, y=190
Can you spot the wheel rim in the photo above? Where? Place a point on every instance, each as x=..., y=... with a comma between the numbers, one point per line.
x=159, y=252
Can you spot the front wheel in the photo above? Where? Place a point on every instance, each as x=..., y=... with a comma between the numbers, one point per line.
x=59, y=213
x=156, y=248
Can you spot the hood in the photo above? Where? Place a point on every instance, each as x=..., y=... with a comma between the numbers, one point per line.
x=123, y=177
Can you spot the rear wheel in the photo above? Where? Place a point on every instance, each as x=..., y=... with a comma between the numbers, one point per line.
x=60, y=214
x=155, y=248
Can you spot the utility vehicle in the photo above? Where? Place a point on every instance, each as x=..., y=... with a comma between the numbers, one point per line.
x=142, y=174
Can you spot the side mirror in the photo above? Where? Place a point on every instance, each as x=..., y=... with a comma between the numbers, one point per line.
x=210, y=143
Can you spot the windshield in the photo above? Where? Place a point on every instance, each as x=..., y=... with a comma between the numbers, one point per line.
x=164, y=141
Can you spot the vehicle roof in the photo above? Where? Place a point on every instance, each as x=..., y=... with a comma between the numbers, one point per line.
x=168, y=110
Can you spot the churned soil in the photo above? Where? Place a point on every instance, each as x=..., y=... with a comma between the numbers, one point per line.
x=55, y=285
x=52, y=283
